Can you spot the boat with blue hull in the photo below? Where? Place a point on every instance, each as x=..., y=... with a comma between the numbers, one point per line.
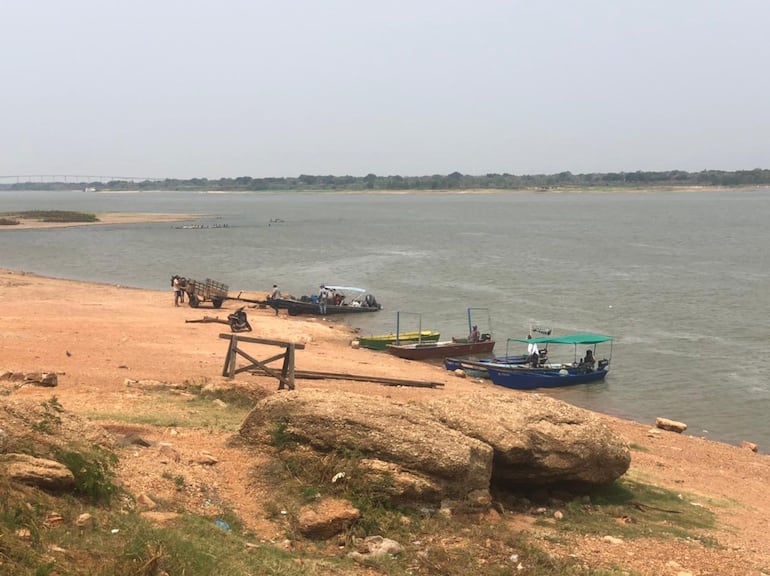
x=555, y=374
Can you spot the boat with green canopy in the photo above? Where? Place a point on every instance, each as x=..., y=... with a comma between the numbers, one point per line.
x=544, y=372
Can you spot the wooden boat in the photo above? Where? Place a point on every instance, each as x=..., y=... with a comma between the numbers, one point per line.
x=480, y=345
x=360, y=303
x=478, y=366
x=454, y=347
x=554, y=374
x=381, y=341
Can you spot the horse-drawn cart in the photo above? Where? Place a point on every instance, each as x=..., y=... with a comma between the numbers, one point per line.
x=208, y=291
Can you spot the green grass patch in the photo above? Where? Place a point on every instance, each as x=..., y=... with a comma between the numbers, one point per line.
x=629, y=509
x=186, y=411
x=59, y=216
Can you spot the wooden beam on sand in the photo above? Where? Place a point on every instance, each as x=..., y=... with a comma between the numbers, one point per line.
x=206, y=319
x=313, y=375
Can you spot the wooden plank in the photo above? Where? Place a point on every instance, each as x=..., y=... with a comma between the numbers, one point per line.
x=313, y=375
x=263, y=341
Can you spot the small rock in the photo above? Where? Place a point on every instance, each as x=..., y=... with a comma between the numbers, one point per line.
x=47, y=379
x=205, y=459
x=133, y=439
x=460, y=373
x=53, y=519
x=612, y=540
x=558, y=515
x=160, y=518
x=144, y=502
x=167, y=451
x=670, y=425
x=750, y=445
x=23, y=534
x=219, y=403
x=85, y=520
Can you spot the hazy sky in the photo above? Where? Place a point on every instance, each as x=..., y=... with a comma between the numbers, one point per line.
x=228, y=88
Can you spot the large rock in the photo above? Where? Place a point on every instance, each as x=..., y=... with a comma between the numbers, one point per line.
x=452, y=446
x=537, y=440
x=400, y=433
x=40, y=472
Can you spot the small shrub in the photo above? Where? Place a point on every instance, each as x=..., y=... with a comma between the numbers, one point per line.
x=93, y=476
x=50, y=417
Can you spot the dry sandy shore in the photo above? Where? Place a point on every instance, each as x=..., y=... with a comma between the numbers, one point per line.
x=104, y=218
x=97, y=336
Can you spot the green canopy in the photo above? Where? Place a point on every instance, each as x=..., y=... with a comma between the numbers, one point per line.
x=566, y=339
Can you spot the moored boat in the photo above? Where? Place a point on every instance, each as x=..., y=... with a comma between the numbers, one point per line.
x=474, y=345
x=555, y=374
x=381, y=341
x=478, y=366
x=454, y=347
x=335, y=301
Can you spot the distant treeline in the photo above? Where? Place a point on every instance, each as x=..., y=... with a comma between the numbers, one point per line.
x=453, y=181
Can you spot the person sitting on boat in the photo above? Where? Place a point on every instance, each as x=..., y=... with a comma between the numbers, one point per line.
x=588, y=361
x=475, y=335
x=275, y=294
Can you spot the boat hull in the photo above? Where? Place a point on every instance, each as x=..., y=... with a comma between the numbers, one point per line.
x=298, y=307
x=380, y=342
x=524, y=378
x=479, y=366
x=428, y=350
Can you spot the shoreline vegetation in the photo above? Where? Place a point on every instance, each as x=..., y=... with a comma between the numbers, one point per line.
x=176, y=493
x=435, y=182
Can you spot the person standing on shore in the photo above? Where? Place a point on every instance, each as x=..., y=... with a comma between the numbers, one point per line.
x=176, y=286
x=275, y=295
x=323, y=296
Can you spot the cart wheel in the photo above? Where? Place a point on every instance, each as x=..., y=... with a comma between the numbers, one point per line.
x=194, y=301
x=217, y=302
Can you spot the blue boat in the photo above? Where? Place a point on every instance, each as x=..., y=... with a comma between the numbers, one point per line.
x=555, y=375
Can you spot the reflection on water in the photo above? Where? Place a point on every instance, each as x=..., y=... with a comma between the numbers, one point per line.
x=679, y=279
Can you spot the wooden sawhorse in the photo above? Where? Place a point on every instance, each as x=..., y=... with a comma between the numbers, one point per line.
x=285, y=376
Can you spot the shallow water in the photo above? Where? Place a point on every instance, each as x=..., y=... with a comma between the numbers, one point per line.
x=679, y=279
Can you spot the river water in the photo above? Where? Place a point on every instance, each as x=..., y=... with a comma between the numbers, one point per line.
x=679, y=279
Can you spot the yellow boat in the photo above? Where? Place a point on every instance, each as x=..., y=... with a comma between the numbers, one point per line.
x=381, y=341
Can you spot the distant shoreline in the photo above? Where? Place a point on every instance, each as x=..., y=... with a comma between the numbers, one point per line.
x=112, y=218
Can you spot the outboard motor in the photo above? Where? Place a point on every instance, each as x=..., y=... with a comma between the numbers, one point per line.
x=370, y=301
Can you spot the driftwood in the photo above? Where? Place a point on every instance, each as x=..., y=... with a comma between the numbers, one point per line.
x=312, y=375
x=216, y=319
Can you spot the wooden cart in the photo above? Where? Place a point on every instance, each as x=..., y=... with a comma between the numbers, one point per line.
x=208, y=291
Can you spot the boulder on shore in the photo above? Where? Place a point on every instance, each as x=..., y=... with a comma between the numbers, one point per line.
x=452, y=446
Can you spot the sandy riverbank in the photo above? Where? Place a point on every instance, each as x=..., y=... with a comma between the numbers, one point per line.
x=103, y=219
x=96, y=336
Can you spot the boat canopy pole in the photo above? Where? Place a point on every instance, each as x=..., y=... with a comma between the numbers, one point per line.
x=470, y=319
x=398, y=326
